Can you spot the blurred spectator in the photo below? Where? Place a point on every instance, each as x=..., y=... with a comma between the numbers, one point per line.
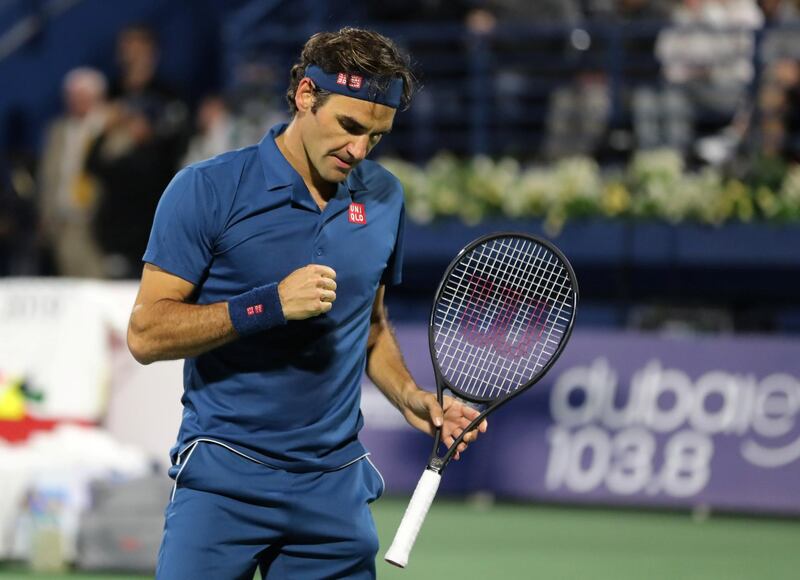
x=67, y=194
x=638, y=22
x=443, y=58
x=440, y=11
x=577, y=116
x=578, y=108
x=134, y=165
x=579, y=111
x=781, y=20
x=139, y=149
x=238, y=119
x=8, y=220
x=779, y=89
x=215, y=131
x=18, y=251
x=558, y=12
x=218, y=128
x=137, y=57
x=707, y=65
x=529, y=64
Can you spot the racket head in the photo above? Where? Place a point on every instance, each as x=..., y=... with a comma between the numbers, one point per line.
x=503, y=312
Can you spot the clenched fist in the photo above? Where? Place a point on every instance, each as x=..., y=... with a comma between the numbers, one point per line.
x=308, y=291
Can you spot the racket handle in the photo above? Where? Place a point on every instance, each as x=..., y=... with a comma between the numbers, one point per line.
x=416, y=511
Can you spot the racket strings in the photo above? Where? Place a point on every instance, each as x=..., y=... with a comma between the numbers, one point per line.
x=488, y=371
x=488, y=367
x=514, y=372
x=501, y=315
x=496, y=303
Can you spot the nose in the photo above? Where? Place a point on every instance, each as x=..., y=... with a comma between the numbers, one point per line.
x=358, y=148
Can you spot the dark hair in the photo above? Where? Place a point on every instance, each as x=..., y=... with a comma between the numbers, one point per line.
x=353, y=50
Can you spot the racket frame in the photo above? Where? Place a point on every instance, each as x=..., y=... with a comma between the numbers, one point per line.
x=436, y=462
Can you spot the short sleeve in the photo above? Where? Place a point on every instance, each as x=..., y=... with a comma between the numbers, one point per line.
x=393, y=274
x=186, y=224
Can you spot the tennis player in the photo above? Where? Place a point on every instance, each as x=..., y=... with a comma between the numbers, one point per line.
x=266, y=270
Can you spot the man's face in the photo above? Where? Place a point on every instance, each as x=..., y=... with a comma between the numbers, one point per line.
x=341, y=133
x=135, y=48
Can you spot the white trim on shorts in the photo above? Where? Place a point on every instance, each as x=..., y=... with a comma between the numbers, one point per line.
x=383, y=482
x=228, y=447
x=191, y=445
x=191, y=448
x=348, y=464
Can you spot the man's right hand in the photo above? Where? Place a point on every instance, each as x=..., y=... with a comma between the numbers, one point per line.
x=308, y=291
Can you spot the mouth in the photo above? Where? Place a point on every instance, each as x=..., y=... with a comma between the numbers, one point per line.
x=340, y=164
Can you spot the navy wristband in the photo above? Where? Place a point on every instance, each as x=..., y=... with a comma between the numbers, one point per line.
x=256, y=310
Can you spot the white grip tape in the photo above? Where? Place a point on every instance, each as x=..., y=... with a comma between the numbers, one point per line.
x=416, y=511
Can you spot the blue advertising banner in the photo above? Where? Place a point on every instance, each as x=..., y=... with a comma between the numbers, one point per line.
x=625, y=418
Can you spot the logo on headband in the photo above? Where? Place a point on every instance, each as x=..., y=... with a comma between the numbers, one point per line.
x=358, y=86
x=354, y=82
x=351, y=81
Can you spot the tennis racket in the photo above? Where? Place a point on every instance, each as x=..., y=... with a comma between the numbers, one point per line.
x=503, y=312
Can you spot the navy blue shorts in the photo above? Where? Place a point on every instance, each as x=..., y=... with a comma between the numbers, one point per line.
x=229, y=515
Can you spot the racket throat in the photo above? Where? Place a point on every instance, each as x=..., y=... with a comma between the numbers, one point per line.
x=477, y=406
x=436, y=464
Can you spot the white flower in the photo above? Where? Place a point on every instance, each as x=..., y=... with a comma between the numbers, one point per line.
x=790, y=188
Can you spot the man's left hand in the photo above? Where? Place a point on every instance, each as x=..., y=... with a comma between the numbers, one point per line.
x=422, y=411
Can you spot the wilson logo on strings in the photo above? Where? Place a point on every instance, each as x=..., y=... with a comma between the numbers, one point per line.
x=501, y=316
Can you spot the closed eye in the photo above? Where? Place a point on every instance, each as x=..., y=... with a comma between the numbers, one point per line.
x=355, y=128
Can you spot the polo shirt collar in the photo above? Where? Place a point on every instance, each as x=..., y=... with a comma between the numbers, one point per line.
x=277, y=170
x=279, y=173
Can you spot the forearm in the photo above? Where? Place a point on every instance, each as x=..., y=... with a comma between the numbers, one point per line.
x=165, y=324
x=385, y=365
x=171, y=329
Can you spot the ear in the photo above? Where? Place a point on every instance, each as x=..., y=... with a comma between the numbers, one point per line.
x=304, y=95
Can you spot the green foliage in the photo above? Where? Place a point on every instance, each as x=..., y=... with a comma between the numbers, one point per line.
x=655, y=185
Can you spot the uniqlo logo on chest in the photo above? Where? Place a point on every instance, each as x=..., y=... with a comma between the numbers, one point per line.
x=341, y=79
x=357, y=215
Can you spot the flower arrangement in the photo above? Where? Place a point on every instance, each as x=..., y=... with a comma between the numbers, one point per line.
x=654, y=185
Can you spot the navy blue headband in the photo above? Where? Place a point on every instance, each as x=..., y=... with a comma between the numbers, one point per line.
x=356, y=86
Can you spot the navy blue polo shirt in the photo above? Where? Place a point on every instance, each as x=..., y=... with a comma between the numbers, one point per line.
x=289, y=396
